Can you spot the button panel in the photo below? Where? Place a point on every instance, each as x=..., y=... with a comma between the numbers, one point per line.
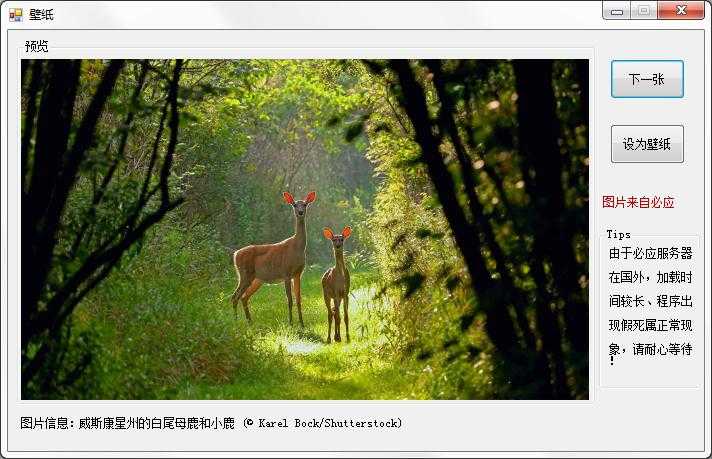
x=684, y=10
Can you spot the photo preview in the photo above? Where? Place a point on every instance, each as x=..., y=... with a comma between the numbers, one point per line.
x=355, y=229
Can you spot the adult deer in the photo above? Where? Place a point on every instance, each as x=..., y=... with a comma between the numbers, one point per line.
x=273, y=263
x=335, y=284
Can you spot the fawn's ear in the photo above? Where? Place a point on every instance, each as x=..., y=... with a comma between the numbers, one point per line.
x=288, y=198
x=328, y=233
x=346, y=232
x=311, y=197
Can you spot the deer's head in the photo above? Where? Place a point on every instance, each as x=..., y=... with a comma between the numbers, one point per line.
x=337, y=240
x=300, y=207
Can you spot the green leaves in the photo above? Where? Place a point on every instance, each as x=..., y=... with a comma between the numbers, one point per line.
x=423, y=233
x=411, y=282
x=354, y=130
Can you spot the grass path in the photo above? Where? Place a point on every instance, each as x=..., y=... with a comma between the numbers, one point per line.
x=291, y=362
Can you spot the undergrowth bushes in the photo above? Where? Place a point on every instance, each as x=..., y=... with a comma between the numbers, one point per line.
x=166, y=323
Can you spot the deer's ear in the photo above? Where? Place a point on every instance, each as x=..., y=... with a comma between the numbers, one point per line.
x=346, y=232
x=328, y=233
x=311, y=197
x=288, y=198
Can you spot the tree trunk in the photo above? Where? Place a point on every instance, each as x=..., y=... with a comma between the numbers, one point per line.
x=553, y=245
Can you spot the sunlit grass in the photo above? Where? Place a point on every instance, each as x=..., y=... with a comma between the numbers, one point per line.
x=168, y=340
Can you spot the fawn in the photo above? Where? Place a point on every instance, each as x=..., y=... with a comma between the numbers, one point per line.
x=335, y=283
x=273, y=263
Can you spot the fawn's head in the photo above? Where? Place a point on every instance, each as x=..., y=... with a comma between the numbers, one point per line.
x=337, y=240
x=300, y=207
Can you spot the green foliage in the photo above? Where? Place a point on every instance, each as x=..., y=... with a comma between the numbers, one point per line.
x=423, y=272
x=156, y=318
x=161, y=325
x=166, y=330
x=269, y=129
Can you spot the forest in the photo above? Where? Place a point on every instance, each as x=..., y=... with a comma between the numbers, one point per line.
x=463, y=183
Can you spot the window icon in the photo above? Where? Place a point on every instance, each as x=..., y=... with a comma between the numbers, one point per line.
x=15, y=14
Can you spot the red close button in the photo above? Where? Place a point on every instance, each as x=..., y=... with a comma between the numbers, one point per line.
x=681, y=10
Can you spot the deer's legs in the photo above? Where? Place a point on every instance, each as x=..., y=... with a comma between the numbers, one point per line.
x=298, y=296
x=346, y=316
x=254, y=286
x=245, y=281
x=337, y=319
x=234, y=298
x=327, y=302
x=288, y=290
